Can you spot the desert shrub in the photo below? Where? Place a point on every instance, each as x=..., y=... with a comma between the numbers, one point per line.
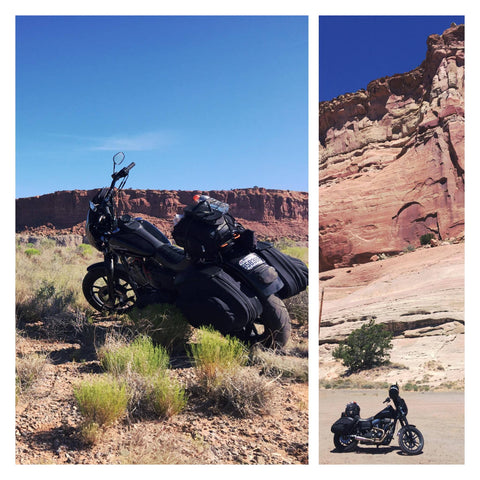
x=28, y=369
x=85, y=249
x=163, y=323
x=101, y=400
x=284, y=366
x=215, y=355
x=425, y=239
x=166, y=396
x=243, y=394
x=223, y=383
x=297, y=307
x=366, y=347
x=143, y=367
x=141, y=357
x=29, y=252
x=292, y=248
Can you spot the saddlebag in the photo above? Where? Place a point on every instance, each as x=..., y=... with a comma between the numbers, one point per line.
x=292, y=271
x=203, y=231
x=209, y=296
x=343, y=425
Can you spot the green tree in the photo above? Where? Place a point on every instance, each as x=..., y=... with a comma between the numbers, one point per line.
x=366, y=347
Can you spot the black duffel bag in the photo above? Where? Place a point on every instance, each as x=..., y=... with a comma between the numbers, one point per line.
x=292, y=271
x=202, y=231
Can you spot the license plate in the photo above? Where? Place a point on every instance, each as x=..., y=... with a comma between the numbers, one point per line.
x=250, y=261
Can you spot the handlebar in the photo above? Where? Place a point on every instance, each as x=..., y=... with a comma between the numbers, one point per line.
x=123, y=172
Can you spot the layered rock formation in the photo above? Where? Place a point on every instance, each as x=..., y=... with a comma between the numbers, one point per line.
x=392, y=159
x=271, y=213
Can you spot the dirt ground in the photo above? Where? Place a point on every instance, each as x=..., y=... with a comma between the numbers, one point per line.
x=438, y=415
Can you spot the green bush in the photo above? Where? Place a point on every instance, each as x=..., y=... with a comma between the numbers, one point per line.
x=141, y=357
x=163, y=323
x=31, y=251
x=366, y=347
x=425, y=239
x=166, y=397
x=102, y=400
x=214, y=355
x=85, y=249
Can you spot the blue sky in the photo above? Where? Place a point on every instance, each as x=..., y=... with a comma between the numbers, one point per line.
x=196, y=102
x=354, y=50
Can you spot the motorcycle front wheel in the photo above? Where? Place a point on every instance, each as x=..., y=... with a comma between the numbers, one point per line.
x=411, y=440
x=96, y=291
x=344, y=443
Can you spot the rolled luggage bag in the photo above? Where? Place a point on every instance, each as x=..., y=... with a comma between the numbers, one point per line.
x=292, y=271
x=209, y=296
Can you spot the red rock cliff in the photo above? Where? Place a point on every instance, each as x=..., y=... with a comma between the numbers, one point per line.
x=391, y=159
x=271, y=213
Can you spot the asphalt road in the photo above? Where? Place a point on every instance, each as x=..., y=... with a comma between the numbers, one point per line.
x=438, y=415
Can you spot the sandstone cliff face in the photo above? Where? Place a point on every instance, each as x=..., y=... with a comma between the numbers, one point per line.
x=271, y=213
x=391, y=159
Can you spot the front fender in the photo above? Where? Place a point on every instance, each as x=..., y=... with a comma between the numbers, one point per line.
x=96, y=265
x=102, y=265
x=405, y=427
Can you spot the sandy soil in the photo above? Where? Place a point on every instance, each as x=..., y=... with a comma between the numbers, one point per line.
x=438, y=415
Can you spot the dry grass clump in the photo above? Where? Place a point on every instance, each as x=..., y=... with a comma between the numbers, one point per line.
x=102, y=401
x=243, y=394
x=224, y=381
x=273, y=365
x=48, y=283
x=28, y=370
x=143, y=367
x=163, y=449
x=214, y=356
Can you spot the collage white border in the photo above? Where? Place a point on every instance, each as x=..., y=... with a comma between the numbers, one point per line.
x=312, y=9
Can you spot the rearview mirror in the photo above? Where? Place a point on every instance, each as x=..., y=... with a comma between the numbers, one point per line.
x=118, y=158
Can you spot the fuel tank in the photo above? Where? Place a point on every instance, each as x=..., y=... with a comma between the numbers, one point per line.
x=137, y=237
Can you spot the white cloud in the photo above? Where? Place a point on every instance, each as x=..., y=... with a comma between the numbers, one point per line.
x=138, y=142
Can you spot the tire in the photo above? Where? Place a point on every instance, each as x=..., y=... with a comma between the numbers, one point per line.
x=276, y=322
x=95, y=289
x=411, y=440
x=344, y=443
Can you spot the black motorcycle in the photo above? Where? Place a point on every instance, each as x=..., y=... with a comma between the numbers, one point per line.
x=350, y=429
x=222, y=276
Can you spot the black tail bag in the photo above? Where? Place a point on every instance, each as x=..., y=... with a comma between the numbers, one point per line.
x=209, y=296
x=292, y=271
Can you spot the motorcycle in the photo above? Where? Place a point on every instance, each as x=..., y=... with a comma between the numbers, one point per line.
x=350, y=429
x=217, y=274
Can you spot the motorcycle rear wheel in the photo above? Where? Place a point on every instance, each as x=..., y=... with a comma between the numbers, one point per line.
x=411, y=440
x=276, y=322
x=95, y=289
x=344, y=443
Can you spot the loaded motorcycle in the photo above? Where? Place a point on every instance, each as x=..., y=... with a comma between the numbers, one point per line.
x=350, y=429
x=222, y=276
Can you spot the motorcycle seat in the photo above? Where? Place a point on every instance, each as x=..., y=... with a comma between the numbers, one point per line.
x=171, y=257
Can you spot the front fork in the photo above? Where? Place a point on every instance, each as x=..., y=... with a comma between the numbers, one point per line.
x=110, y=261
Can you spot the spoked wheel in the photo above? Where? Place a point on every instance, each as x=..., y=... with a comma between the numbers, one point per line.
x=95, y=289
x=411, y=440
x=344, y=443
